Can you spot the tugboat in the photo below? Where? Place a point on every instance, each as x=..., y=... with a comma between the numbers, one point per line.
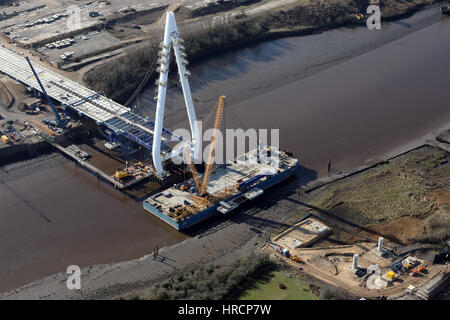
x=445, y=10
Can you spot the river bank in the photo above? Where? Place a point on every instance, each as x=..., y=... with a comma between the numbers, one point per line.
x=120, y=76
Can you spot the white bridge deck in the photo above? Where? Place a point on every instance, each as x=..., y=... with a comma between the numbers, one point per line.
x=85, y=101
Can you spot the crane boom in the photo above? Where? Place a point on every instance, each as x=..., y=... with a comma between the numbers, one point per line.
x=212, y=146
x=58, y=118
x=191, y=165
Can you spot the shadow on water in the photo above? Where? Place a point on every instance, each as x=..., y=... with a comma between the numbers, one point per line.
x=33, y=208
x=240, y=62
x=402, y=23
x=247, y=212
x=142, y=191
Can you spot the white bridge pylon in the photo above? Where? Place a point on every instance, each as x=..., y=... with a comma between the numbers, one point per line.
x=172, y=39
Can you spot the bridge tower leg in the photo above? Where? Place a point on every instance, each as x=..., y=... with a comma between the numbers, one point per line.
x=172, y=39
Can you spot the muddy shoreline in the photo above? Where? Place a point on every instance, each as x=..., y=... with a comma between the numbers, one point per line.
x=20, y=152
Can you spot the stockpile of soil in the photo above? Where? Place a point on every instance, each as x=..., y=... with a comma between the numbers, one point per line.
x=6, y=99
x=324, y=264
x=403, y=229
x=12, y=95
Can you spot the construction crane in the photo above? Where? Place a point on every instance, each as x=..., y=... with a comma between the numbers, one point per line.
x=202, y=186
x=61, y=123
x=212, y=146
x=192, y=168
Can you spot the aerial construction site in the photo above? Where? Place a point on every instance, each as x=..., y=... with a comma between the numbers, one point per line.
x=115, y=150
x=126, y=132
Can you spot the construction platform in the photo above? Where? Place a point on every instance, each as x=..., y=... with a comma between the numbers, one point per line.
x=133, y=174
x=302, y=234
x=231, y=184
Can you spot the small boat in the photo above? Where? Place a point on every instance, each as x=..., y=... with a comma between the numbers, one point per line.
x=445, y=10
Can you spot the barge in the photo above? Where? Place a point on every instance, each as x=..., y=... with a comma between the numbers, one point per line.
x=231, y=184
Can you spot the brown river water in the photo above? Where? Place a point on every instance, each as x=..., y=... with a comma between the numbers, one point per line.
x=349, y=95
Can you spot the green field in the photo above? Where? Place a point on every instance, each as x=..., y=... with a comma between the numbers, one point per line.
x=267, y=289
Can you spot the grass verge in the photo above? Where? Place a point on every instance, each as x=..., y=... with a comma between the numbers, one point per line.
x=268, y=288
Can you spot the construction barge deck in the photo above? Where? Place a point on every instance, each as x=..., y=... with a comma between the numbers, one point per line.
x=230, y=185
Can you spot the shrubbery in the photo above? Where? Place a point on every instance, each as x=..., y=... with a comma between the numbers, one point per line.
x=123, y=74
x=212, y=282
x=322, y=14
x=437, y=228
x=328, y=292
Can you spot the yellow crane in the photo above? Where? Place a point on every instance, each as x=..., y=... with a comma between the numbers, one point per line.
x=212, y=147
x=202, y=186
x=192, y=168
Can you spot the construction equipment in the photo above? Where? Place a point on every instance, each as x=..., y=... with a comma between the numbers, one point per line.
x=296, y=259
x=43, y=128
x=5, y=139
x=192, y=168
x=212, y=147
x=121, y=174
x=61, y=123
x=390, y=275
x=422, y=269
x=202, y=186
x=252, y=180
